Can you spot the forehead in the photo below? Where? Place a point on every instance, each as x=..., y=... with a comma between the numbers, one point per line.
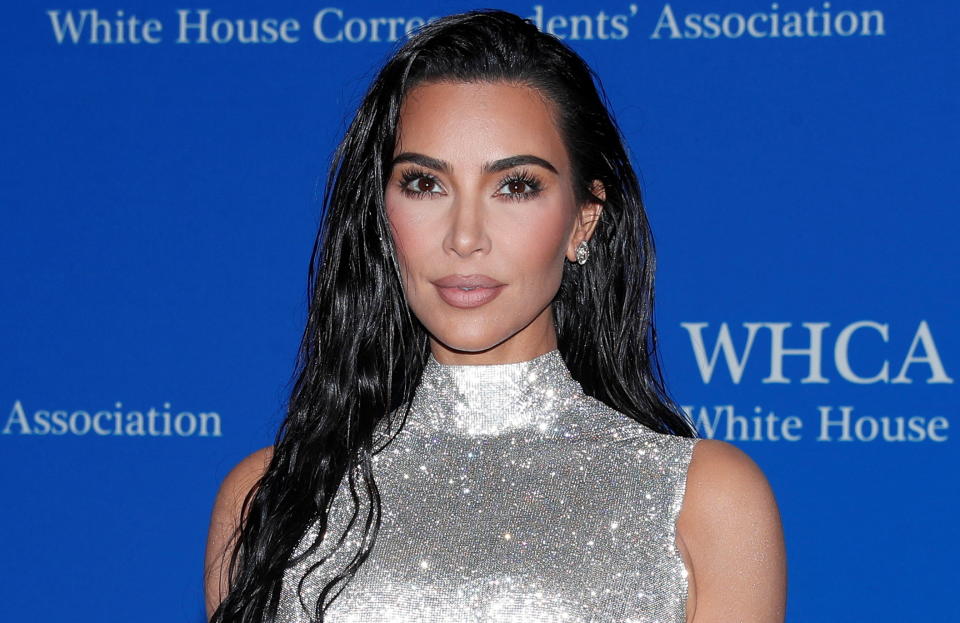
x=479, y=121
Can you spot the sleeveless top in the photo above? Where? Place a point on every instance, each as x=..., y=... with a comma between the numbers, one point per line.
x=508, y=495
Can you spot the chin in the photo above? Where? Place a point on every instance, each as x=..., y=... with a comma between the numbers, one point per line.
x=469, y=342
x=469, y=345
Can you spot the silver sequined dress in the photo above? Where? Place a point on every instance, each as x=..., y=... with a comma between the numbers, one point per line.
x=510, y=496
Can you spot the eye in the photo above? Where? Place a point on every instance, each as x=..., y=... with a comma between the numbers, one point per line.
x=423, y=184
x=517, y=184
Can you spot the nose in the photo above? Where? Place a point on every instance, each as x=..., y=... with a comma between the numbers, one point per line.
x=467, y=233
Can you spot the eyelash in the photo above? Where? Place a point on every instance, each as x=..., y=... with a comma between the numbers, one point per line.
x=523, y=175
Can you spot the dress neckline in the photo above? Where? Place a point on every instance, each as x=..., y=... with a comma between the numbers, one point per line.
x=493, y=399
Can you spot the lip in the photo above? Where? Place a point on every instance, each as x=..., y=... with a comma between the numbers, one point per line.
x=483, y=290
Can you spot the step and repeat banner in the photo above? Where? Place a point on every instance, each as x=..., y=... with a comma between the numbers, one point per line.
x=162, y=167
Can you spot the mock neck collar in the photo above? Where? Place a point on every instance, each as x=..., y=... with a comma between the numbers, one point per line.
x=490, y=399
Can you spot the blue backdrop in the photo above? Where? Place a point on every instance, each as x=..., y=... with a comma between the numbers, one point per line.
x=161, y=166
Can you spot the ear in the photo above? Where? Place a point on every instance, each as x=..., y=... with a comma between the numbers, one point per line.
x=587, y=219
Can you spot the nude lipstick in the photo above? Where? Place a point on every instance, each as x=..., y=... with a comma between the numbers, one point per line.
x=468, y=291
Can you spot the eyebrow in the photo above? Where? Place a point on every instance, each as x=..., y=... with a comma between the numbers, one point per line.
x=488, y=167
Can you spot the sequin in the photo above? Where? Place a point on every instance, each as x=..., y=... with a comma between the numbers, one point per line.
x=510, y=496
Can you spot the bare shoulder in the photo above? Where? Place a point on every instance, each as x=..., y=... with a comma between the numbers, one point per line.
x=243, y=476
x=723, y=464
x=731, y=529
x=225, y=519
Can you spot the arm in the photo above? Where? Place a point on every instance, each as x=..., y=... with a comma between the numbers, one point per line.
x=224, y=521
x=730, y=526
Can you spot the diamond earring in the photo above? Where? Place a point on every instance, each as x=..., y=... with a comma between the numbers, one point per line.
x=583, y=252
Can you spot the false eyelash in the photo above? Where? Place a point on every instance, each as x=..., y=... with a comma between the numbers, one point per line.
x=412, y=174
x=523, y=175
x=528, y=178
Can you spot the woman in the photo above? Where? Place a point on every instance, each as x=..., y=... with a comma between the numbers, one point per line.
x=479, y=430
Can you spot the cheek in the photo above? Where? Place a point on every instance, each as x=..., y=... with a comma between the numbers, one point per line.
x=537, y=243
x=411, y=235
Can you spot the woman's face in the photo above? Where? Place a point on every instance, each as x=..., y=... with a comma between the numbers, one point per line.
x=481, y=203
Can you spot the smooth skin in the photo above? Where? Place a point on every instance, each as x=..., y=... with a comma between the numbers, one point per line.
x=465, y=220
x=451, y=214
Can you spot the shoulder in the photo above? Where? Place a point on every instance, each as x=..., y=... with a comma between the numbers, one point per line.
x=725, y=490
x=730, y=526
x=237, y=484
x=245, y=474
x=224, y=520
x=722, y=472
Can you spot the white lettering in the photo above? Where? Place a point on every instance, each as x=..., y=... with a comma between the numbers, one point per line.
x=813, y=353
x=724, y=343
x=122, y=29
x=811, y=23
x=199, y=29
x=666, y=20
x=931, y=358
x=111, y=423
x=18, y=417
x=841, y=350
x=759, y=427
x=885, y=428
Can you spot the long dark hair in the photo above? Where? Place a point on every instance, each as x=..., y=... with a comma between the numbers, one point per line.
x=362, y=353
